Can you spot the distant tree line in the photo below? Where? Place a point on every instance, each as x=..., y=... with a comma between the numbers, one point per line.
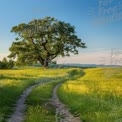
x=6, y=64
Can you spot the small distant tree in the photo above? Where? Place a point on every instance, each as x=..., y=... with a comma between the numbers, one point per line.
x=0, y=64
x=4, y=60
x=43, y=40
x=5, y=64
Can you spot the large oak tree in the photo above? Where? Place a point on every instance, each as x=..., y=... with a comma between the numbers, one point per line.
x=42, y=40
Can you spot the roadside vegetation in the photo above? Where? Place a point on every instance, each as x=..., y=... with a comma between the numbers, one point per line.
x=39, y=108
x=14, y=82
x=94, y=94
x=95, y=97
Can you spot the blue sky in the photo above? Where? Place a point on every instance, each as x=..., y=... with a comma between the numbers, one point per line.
x=85, y=15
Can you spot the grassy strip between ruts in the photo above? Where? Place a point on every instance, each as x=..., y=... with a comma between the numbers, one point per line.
x=38, y=107
x=96, y=97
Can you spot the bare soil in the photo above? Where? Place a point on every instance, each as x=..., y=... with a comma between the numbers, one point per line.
x=62, y=112
x=18, y=115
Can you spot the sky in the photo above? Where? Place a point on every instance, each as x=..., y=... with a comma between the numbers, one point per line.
x=97, y=22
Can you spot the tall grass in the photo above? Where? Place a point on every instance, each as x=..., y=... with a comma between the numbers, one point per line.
x=39, y=108
x=96, y=97
x=13, y=82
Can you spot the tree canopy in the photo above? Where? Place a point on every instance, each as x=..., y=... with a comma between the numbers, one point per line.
x=42, y=40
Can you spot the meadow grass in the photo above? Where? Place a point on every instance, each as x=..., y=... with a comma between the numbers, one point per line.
x=39, y=108
x=95, y=97
x=13, y=82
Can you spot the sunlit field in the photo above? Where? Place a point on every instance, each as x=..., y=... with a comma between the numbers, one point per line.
x=39, y=108
x=94, y=94
x=97, y=96
x=13, y=82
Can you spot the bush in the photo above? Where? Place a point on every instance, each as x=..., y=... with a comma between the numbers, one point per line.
x=5, y=64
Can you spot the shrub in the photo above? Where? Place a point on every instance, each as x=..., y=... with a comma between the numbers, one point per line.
x=5, y=64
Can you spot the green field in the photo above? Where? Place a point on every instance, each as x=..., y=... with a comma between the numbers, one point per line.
x=37, y=104
x=97, y=96
x=94, y=94
x=13, y=82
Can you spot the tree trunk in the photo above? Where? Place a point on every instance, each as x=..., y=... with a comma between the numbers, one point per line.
x=44, y=63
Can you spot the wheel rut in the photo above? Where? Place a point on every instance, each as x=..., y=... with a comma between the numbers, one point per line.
x=62, y=112
x=20, y=107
